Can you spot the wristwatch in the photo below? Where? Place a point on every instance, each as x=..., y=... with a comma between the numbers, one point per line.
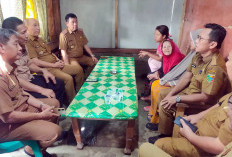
x=178, y=99
x=92, y=55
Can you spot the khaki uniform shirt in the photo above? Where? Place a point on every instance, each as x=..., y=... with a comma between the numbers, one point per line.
x=22, y=69
x=11, y=97
x=209, y=77
x=216, y=123
x=36, y=47
x=72, y=42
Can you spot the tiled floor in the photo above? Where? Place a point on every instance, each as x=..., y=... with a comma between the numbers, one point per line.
x=110, y=138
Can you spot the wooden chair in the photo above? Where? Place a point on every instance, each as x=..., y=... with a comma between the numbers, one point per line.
x=227, y=151
x=11, y=146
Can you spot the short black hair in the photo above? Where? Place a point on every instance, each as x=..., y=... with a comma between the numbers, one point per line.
x=163, y=29
x=217, y=34
x=70, y=15
x=11, y=23
x=5, y=35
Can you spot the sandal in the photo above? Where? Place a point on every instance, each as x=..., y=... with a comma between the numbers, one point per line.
x=146, y=98
x=149, y=116
x=26, y=152
x=152, y=126
x=147, y=108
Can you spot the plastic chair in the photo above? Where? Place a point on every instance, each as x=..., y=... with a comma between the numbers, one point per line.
x=11, y=146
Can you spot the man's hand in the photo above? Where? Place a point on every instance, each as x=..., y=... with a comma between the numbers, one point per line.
x=47, y=75
x=44, y=107
x=143, y=54
x=48, y=93
x=95, y=60
x=154, y=76
x=230, y=116
x=186, y=130
x=59, y=64
x=48, y=113
x=168, y=102
x=193, y=118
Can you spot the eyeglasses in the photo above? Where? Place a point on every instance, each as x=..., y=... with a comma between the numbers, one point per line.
x=200, y=38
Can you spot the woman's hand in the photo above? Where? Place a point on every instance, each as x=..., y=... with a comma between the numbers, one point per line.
x=154, y=76
x=142, y=54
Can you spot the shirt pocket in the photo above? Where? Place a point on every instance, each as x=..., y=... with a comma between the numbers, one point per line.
x=40, y=51
x=71, y=45
x=222, y=116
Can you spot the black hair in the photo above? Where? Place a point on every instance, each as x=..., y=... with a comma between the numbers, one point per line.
x=11, y=23
x=70, y=15
x=163, y=29
x=217, y=34
x=5, y=35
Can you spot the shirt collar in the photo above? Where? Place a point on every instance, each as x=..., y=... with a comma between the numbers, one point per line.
x=208, y=58
x=70, y=32
x=32, y=37
x=9, y=67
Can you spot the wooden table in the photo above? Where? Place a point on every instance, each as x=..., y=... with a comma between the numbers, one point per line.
x=89, y=103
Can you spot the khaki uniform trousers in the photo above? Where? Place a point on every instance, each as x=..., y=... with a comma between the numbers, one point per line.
x=83, y=60
x=180, y=147
x=66, y=74
x=177, y=147
x=150, y=150
x=167, y=116
x=46, y=132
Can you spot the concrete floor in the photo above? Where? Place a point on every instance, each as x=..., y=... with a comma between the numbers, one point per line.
x=110, y=137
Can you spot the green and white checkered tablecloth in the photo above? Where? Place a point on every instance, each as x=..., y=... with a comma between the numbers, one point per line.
x=90, y=103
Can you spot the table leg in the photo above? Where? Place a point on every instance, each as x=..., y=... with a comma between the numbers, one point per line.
x=129, y=136
x=76, y=132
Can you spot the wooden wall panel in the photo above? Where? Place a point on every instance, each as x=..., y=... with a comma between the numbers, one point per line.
x=200, y=12
x=54, y=21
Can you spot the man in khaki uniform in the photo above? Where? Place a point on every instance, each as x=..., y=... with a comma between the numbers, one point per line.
x=39, y=86
x=22, y=117
x=41, y=55
x=204, y=82
x=72, y=43
x=213, y=134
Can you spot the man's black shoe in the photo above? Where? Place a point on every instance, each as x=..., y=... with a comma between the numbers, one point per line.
x=153, y=139
x=152, y=126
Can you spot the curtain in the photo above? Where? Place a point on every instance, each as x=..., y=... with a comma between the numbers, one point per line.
x=11, y=8
x=31, y=11
x=1, y=16
x=24, y=6
x=37, y=9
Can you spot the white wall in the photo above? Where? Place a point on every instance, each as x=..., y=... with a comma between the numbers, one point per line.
x=137, y=20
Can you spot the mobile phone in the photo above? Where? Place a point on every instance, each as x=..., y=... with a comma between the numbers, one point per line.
x=113, y=72
x=177, y=122
x=91, y=80
x=61, y=111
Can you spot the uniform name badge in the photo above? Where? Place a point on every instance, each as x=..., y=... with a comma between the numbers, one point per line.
x=41, y=52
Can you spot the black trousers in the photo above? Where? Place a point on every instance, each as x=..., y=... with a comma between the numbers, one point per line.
x=58, y=88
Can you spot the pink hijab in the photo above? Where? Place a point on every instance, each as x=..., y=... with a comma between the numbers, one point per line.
x=173, y=59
